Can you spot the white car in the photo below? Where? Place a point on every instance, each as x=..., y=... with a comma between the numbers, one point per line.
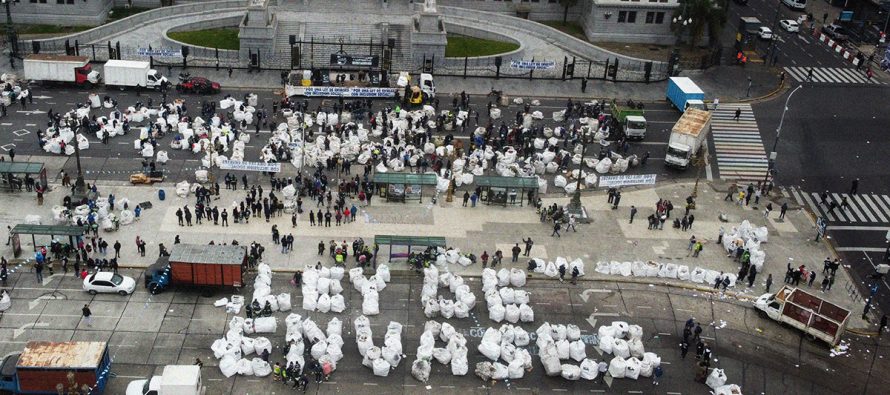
x=765, y=33
x=145, y=386
x=109, y=282
x=790, y=25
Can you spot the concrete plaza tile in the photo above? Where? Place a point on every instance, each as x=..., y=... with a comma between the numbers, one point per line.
x=91, y=335
x=142, y=317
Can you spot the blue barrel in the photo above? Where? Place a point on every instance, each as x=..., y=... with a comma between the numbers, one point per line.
x=162, y=194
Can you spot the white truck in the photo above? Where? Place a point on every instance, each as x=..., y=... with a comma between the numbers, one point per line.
x=687, y=137
x=132, y=73
x=807, y=312
x=60, y=68
x=176, y=380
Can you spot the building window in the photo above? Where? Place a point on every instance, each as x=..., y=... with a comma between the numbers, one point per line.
x=650, y=17
x=659, y=17
x=627, y=16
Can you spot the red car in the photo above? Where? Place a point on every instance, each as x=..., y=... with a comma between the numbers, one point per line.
x=198, y=85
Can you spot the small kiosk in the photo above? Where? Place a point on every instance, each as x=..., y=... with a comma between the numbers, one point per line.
x=402, y=187
x=506, y=190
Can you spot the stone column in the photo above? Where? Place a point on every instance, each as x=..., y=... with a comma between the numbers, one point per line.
x=257, y=31
x=428, y=36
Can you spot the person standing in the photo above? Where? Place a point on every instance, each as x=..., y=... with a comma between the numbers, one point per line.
x=556, y=228
x=117, y=249
x=87, y=315
x=684, y=349
x=883, y=324
x=656, y=374
x=516, y=250
x=633, y=212
x=769, y=282
x=782, y=211
x=854, y=187
x=528, y=245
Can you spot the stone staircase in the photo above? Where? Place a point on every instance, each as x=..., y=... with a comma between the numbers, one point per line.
x=335, y=29
x=355, y=7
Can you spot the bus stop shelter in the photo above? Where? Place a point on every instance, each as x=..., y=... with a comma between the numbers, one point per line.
x=401, y=187
x=42, y=230
x=13, y=174
x=408, y=241
x=507, y=190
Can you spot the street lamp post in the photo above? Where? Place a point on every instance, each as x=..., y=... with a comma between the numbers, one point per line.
x=574, y=206
x=779, y=130
x=79, y=184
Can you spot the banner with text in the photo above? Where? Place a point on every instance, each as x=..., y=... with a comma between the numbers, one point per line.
x=340, y=91
x=627, y=179
x=163, y=53
x=529, y=65
x=250, y=166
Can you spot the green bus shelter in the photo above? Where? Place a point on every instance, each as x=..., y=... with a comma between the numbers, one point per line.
x=401, y=187
x=507, y=190
x=42, y=230
x=11, y=174
x=408, y=241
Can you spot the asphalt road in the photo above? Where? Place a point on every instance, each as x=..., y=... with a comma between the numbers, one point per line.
x=147, y=332
x=117, y=160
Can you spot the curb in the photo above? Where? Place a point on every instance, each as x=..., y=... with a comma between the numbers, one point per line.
x=767, y=96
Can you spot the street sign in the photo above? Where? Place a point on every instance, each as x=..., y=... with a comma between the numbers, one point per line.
x=340, y=59
x=161, y=53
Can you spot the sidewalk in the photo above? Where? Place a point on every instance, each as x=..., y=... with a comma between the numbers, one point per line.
x=610, y=237
x=729, y=83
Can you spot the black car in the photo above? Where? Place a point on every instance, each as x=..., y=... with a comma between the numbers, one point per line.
x=741, y=2
x=198, y=85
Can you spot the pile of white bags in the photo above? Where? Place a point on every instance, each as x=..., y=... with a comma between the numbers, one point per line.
x=322, y=290
x=454, y=353
x=506, y=303
x=503, y=345
x=435, y=305
x=748, y=237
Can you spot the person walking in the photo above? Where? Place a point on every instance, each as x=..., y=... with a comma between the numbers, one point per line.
x=556, y=227
x=656, y=374
x=575, y=273
x=769, y=281
x=738, y=113
x=782, y=211
x=87, y=315
x=562, y=273
x=697, y=249
x=810, y=74
x=466, y=198
x=684, y=349
x=633, y=212
x=571, y=224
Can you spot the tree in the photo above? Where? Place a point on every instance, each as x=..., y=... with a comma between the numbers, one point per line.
x=706, y=15
x=566, y=4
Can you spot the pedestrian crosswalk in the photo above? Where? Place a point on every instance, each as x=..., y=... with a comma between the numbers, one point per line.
x=738, y=147
x=861, y=208
x=830, y=75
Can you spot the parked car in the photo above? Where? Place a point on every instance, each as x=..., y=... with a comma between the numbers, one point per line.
x=789, y=25
x=765, y=33
x=198, y=85
x=835, y=32
x=109, y=282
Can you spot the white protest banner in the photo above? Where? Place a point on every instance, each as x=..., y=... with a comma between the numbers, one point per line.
x=627, y=179
x=525, y=64
x=340, y=91
x=250, y=166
